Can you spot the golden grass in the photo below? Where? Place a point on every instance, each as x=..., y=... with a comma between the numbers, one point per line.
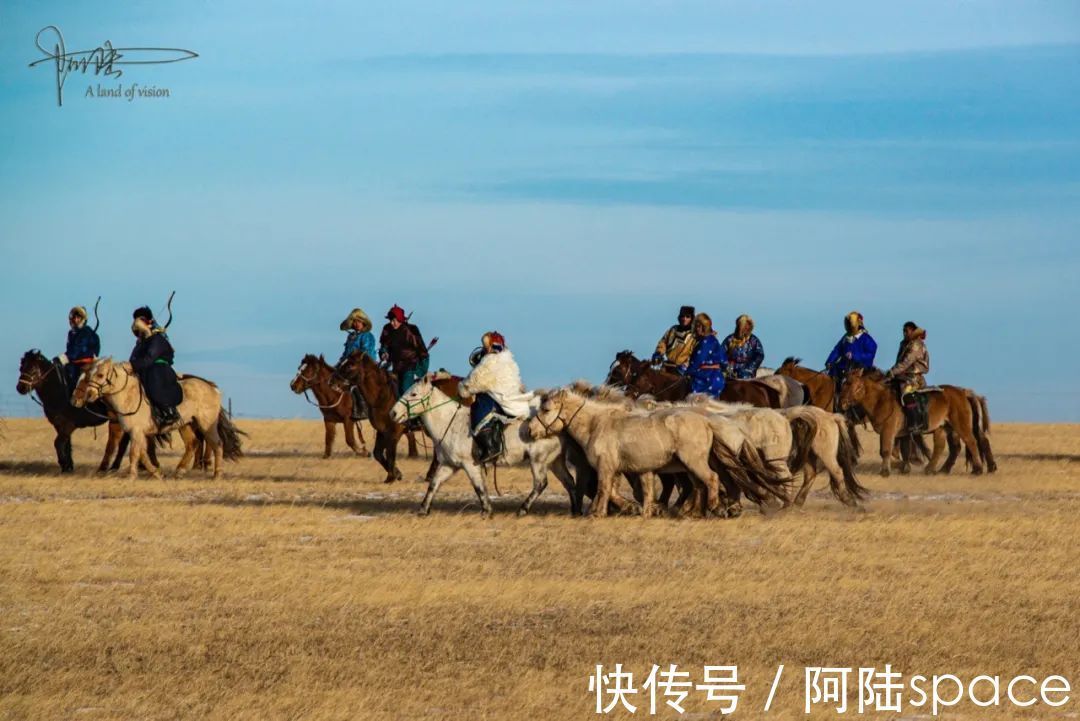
x=304, y=588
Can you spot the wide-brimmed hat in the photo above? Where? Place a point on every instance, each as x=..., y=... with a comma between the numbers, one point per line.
x=354, y=315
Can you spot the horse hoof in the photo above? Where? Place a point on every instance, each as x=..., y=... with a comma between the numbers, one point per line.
x=992, y=468
x=930, y=472
x=487, y=513
x=325, y=456
x=423, y=512
x=522, y=512
x=884, y=472
x=976, y=471
x=364, y=453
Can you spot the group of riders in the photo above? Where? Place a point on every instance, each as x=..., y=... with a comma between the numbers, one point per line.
x=494, y=386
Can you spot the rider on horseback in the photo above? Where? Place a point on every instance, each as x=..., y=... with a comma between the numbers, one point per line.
x=912, y=363
x=744, y=351
x=402, y=346
x=499, y=395
x=83, y=345
x=360, y=339
x=856, y=349
x=677, y=343
x=706, y=366
x=152, y=360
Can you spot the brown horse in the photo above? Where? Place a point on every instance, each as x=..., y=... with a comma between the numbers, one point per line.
x=639, y=378
x=333, y=399
x=37, y=374
x=819, y=383
x=950, y=409
x=378, y=389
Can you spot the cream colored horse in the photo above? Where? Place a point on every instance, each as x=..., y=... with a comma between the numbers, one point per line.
x=619, y=440
x=120, y=388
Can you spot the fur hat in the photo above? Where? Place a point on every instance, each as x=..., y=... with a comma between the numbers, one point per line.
x=686, y=310
x=744, y=318
x=77, y=312
x=853, y=322
x=493, y=340
x=396, y=313
x=356, y=314
x=144, y=312
x=704, y=320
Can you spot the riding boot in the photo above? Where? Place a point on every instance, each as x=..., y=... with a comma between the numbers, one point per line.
x=488, y=445
x=911, y=414
x=359, y=408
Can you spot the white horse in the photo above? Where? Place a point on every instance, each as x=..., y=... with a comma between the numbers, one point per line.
x=446, y=421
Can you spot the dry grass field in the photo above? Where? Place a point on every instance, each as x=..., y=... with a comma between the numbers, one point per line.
x=298, y=587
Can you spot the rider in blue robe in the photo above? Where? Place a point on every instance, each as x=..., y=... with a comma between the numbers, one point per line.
x=855, y=350
x=708, y=361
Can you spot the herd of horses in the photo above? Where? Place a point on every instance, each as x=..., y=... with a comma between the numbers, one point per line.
x=765, y=439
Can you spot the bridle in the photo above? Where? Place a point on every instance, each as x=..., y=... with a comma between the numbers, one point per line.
x=558, y=417
x=310, y=382
x=99, y=388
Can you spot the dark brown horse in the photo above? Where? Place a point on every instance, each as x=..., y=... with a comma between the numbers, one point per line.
x=37, y=374
x=639, y=378
x=333, y=399
x=378, y=389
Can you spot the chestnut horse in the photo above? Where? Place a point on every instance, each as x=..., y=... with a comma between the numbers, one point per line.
x=333, y=399
x=37, y=374
x=639, y=378
x=819, y=383
x=950, y=409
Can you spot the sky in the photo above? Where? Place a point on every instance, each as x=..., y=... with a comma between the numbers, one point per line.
x=567, y=173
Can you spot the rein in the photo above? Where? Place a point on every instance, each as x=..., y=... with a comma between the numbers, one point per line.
x=100, y=388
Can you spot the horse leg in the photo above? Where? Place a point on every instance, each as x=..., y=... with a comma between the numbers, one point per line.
x=436, y=480
x=352, y=429
x=699, y=467
x=213, y=443
x=393, y=473
x=940, y=442
x=62, y=444
x=558, y=467
x=963, y=429
x=605, y=480
x=540, y=480
x=476, y=477
x=667, y=485
x=413, y=453
x=888, y=438
x=809, y=473
x=188, y=459
x=648, y=494
x=987, y=453
x=906, y=443
x=954, y=450
x=328, y=442
x=112, y=438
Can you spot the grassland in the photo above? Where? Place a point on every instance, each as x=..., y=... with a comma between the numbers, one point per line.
x=298, y=587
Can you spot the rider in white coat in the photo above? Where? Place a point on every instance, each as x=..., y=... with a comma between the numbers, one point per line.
x=498, y=395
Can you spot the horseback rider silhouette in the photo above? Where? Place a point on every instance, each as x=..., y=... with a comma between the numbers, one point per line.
x=907, y=375
x=677, y=343
x=855, y=349
x=152, y=360
x=360, y=339
x=498, y=395
x=83, y=346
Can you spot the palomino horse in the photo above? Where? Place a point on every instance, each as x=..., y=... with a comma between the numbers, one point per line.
x=618, y=440
x=446, y=420
x=333, y=399
x=37, y=374
x=120, y=388
x=950, y=408
x=638, y=377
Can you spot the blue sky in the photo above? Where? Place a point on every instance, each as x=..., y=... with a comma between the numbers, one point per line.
x=568, y=173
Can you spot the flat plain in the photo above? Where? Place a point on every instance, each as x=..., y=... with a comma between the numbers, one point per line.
x=298, y=587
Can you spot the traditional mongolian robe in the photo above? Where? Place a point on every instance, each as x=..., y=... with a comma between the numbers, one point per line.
x=152, y=360
x=83, y=346
x=495, y=384
x=743, y=357
x=408, y=355
x=706, y=367
x=912, y=363
x=676, y=345
x=359, y=341
x=862, y=349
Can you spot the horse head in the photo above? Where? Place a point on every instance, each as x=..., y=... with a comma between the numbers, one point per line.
x=623, y=370
x=415, y=401
x=853, y=390
x=33, y=369
x=307, y=375
x=93, y=382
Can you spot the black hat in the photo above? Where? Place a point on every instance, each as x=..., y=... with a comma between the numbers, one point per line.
x=687, y=310
x=144, y=312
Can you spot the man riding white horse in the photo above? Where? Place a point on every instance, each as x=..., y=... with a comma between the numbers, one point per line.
x=498, y=395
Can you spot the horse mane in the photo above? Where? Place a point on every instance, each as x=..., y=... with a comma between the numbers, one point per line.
x=874, y=373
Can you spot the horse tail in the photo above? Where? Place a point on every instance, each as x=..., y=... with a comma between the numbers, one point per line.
x=230, y=437
x=803, y=431
x=847, y=455
x=852, y=436
x=747, y=471
x=985, y=413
